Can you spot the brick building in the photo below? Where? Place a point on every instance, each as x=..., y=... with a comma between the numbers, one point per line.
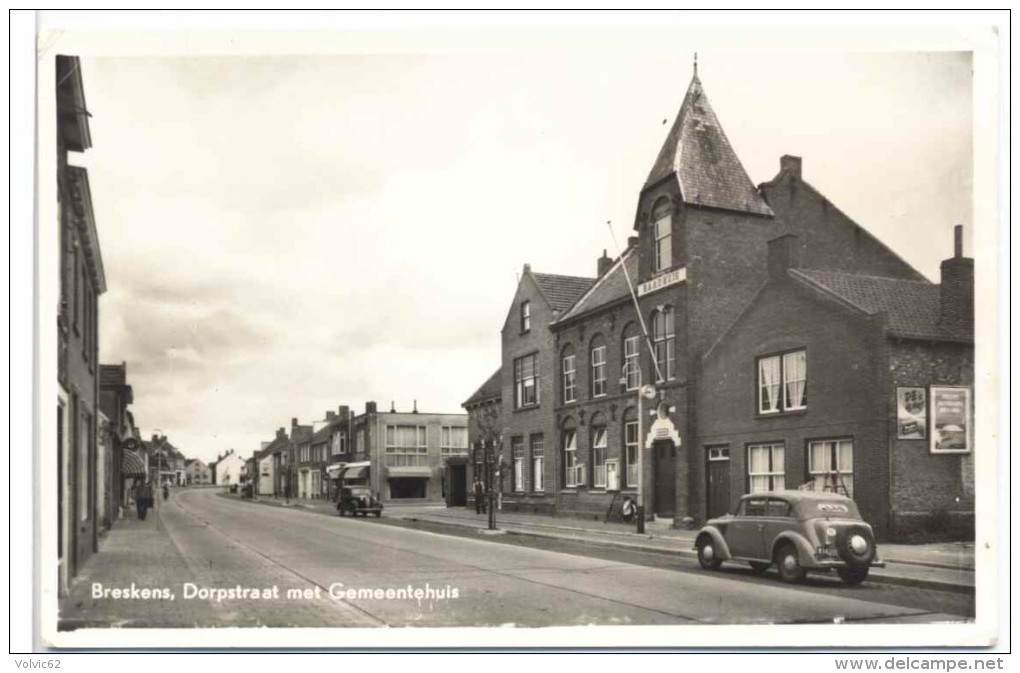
x=485, y=428
x=326, y=444
x=576, y=351
x=875, y=354
x=197, y=473
x=405, y=452
x=123, y=463
x=82, y=280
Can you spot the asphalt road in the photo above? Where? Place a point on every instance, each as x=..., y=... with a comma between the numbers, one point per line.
x=407, y=577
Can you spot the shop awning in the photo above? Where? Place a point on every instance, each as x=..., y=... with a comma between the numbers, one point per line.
x=131, y=464
x=356, y=470
x=420, y=472
x=333, y=471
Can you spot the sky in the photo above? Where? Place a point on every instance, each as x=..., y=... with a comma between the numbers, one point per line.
x=285, y=234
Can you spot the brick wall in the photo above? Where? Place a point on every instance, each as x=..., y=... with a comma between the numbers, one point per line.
x=845, y=362
x=932, y=495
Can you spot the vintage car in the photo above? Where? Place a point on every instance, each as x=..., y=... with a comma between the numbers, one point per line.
x=355, y=500
x=797, y=531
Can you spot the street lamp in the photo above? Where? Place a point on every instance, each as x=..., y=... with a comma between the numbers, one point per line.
x=643, y=392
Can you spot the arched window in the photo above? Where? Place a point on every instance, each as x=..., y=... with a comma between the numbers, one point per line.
x=664, y=336
x=662, y=235
x=630, y=446
x=599, y=450
x=573, y=471
x=598, y=367
x=631, y=356
x=568, y=369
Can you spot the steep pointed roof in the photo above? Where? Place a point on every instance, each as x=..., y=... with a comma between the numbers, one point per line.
x=562, y=291
x=699, y=154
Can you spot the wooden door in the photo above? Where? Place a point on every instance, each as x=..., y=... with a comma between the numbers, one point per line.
x=665, y=477
x=718, y=471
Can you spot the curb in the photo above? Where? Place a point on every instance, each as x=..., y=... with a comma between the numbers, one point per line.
x=916, y=582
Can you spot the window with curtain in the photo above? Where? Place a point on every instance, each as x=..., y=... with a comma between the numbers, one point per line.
x=599, y=445
x=765, y=467
x=664, y=336
x=537, y=463
x=517, y=454
x=831, y=465
x=526, y=381
x=570, y=464
x=782, y=382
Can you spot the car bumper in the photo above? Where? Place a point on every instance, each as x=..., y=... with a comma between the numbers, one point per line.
x=830, y=563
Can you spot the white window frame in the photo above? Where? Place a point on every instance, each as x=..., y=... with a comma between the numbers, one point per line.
x=569, y=378
x=787, y=372
x=525, y=316
x=570, y=458
x=631, y=361
x=774, y=474
x=537, y=463
x=599, y=449
x=598, y=371
x=451, y=444
x=517, y=455
x=822, y=477
x=402, y=455
x=662, y=234
x=526, y=383
x=664, y=339
x=630, y=450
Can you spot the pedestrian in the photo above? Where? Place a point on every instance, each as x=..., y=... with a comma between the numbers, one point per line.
x=479, y=489
x=143, y=498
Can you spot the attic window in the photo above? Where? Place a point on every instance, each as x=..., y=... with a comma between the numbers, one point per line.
x=525, y=317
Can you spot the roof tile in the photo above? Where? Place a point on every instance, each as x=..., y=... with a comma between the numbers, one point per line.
x=562, y=291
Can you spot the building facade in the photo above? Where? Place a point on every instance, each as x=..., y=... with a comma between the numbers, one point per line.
x=849, y=382
x=197, y=473
x=406, y=451
x=82, y=281
x=485, y=430
x=230, y=469
x=576, y=352
x=117, y=435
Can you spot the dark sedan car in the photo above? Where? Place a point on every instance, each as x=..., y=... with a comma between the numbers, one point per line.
x=355, y=500
x=797, y=531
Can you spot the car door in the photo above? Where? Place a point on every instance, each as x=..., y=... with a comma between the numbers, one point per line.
x=778, y=518
x=744, y=532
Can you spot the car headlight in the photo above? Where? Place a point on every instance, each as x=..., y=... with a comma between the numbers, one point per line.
x=858, y=544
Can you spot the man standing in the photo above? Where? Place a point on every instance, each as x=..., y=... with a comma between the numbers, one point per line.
x=479, y=489
x=143, y=498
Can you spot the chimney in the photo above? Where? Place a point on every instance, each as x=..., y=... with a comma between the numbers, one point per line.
x=330, y=415
x=603, y=263
x=155, y=438
x=343, y=411
x=293, y=423
x=281, y=432
x=956, y=291
x=632, y=241
x=790, y=164
x=527, y=268
x=782, y=255
x=415, y=410
x=369, y=407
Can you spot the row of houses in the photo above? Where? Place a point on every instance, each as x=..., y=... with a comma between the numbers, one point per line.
x=403, y=456
x=749, y=338
x=100, y=450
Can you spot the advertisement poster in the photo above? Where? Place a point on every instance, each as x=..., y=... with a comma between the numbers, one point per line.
x=911, y=413
x=950, y=419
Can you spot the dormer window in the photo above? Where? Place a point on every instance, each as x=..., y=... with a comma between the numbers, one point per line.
x=525, y=317
x=662, y=236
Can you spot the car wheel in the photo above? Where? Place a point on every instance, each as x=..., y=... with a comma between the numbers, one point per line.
x=852, y=575
x=759, y=567
x=378, y=514
x=788, y=564
x=707, y=555
x=857, y=546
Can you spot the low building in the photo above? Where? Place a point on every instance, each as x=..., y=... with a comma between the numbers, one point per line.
x=405, y=451
x=230, y=469
x=272, y=461
x=485, y=427
x=327, y=445
x=197, y=473
x=854, y=383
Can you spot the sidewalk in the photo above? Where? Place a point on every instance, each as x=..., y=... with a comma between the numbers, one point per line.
x=942, y=566
x=134, y=556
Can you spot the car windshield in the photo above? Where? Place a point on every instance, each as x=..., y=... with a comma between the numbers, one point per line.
x=358, y=492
